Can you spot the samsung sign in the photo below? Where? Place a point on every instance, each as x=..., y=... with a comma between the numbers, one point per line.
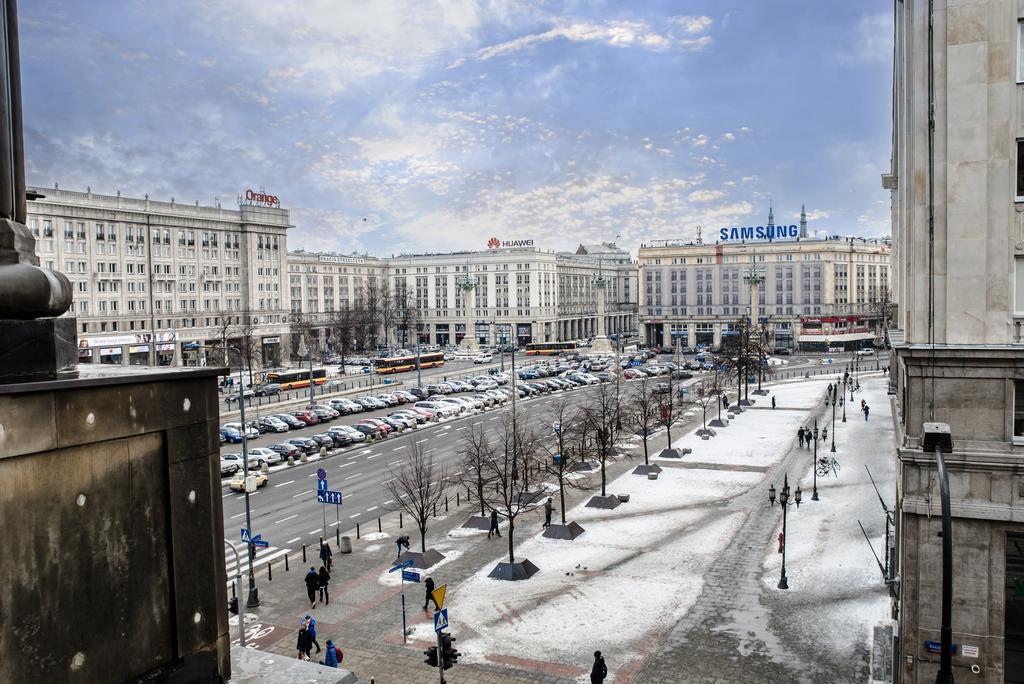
x=758, y=233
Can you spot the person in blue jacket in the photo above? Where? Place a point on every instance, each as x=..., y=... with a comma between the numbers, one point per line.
x=332, y=655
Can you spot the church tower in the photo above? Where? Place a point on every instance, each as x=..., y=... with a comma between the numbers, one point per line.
x=803, y=222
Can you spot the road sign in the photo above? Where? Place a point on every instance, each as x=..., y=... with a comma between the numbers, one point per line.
x=401, y=566
x=321, y=485
x=321, y=474
x=326, y=496
x=411, y=575
x=441, y=620
x=635, y=363
x=556, y=426
x=245, y=535
x=258, y=542
x=438, y=595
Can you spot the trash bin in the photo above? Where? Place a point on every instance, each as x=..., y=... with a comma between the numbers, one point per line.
x=652, y=476
x=624, y=498
x=346, y=545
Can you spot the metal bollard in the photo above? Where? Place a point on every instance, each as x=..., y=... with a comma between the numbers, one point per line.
x=457, y=502
x=435, y=509
x=379, y=528
x=303, y=553
x=286, y=562
x=357, y=530
x=270, y=572
x=337, y=537
x=446, y=504
x=233, y=589
x=399, y=520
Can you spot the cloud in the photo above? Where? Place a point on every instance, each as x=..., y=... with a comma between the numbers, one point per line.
x=705, y=195
x=693, y=25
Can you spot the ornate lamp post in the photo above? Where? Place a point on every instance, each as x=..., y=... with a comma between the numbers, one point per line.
x=842, y=402
x=814, y=492
x=834, y=419
x=301, y=351
x=467, y=284
x=784, y=502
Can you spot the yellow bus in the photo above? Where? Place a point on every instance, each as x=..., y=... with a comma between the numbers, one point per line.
x=296, y=378
x=549, y=348
x=402, y=364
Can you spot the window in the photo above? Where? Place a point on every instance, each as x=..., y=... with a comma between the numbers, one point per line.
x=1018, y=299
x=1018, y=411
x=1020, y=51
x=1020, y=170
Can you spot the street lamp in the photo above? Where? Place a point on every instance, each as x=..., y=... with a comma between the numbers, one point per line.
x=842, y=402
x=302, y=351
x=834, y=419
x=814, y=493
x=784, y=502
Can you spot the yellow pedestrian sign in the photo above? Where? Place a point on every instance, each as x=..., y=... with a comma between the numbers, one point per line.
x=438, y=595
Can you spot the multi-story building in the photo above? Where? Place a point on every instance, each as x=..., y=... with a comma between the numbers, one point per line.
x=518, y=292
x=957, y=183
x=179, y=275
x=812, y=294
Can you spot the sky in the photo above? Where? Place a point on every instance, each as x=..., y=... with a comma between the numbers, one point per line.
x=391, y=127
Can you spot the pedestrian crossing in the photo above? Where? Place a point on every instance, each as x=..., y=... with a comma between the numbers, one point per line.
x=263, y=556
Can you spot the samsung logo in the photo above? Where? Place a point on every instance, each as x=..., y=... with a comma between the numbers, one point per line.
x=758, y=233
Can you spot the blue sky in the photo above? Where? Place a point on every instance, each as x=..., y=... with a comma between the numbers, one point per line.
x=392, y=127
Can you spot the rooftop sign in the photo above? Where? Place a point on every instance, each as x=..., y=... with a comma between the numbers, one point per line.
x=758, y=233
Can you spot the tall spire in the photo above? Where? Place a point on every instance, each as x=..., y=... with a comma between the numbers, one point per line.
x=771, y=216
x=803, y=221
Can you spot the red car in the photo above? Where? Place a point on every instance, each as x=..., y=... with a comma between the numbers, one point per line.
x=307, y=417
x=379, y=424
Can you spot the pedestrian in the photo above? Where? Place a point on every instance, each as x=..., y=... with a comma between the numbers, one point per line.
x=800, y=436
x=304, y=643
x=600, y=670
x=310, y=624
x=773, y=403
x=323, y=577
x=428, y=587
x=725, y=401
x=547, y=512
x=494, y=524
x=866, y=411
x=824, y=434
x=326, y=554
x=862, y=404
x=312, y=581
x=403, y=540
x=332, y=655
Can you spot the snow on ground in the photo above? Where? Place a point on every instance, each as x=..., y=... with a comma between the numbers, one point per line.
x=758, y=437
x=394, y=579
x=645, y=558
x=827, y=558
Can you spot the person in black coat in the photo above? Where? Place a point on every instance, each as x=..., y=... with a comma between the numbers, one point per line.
x=428, y=587
x=494, y=524
x=312, y=580
x=323, y=577
x=304, y=643
x=600, y=670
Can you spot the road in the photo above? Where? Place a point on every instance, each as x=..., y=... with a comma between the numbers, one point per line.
x=286, y=512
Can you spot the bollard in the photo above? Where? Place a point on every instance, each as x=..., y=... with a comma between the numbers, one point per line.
x=357, y=530
x=303, y=553
x=399, y=520
x=286, y=562
x=457, y=502
x=446, y=504
x=270, y=572
x=435, y=509
x=379, y=528
x=337, y=537
x=233, y=589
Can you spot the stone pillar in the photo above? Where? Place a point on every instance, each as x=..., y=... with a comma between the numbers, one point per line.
x=126, y=356
x=469, y=339
x=666, y=334
x=718, y=335
x=691, y=335
x=601, y=342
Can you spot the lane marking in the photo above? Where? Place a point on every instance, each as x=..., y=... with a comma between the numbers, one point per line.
x=420, y=441
x=400, y=447
x=461, y=428
x=317, y=531
x=352, y=476
x=372, y=457
x=278, y=522
x=391, y=480
x=354, y=516
x=371, y=508
x=347, y=464
x=292, y=541
x=393, y=463
x=389, y=501
x=284, y=483
x=241, y=514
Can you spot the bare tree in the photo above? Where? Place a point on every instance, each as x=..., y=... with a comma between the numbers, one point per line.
x=601, y=414
x=881, y=308
x=669, y=409
x=407, y=314
x=342, y=329
x=564, y=460
x=513, y=452
x=417, y=486
x=476, y=451
x=249, y=343
x=706, y=395
x=642, y=413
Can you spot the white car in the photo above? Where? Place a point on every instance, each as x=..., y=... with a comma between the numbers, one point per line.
x=258, y=456
x=865, y=352
x=483, y=358
x=452, y=401
x=470, y=403
x=356, y=435
x=447, y=410
x=230, y=464
x=487, y=385
x=250, y=431
x=498, y=396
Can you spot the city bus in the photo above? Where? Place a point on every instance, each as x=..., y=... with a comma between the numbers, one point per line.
x=401, y=364
x=549, y=348
x=297, y=378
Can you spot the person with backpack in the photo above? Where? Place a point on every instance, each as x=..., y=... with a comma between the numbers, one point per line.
x=332, y=655
x=866, y=411
x=325, y=554
x=312, y=580
x=323, y=577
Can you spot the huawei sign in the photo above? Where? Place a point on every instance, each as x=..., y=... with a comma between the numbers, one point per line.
x=493, y=243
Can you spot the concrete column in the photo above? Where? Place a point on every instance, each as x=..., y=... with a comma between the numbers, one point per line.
x=125, y=356
x=691, y=335
x=718, y=335
x=666, y=334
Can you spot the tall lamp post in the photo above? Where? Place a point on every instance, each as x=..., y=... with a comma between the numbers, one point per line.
x=814, y=469
x=842, y=402
x=784, y=502
x=302, y=351
x=834, y=419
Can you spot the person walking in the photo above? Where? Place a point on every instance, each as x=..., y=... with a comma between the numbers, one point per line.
x=310, y=625
x=824, y=434
x=494, y=524
x=304, y=643
x=548, y=508
x=725, y=401
x=332, y=655
x=326, y=554
x=773, y=403
x=403, y=540
x=866, y=410
x=428, y=588
x=800, y=436
x=323, y=577
x=600, y=670
x=312, y=581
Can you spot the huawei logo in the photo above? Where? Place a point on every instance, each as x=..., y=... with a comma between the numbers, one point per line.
x=493, y=243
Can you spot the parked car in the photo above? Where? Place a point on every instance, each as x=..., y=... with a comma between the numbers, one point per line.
x=419, y=393
x=230, y=435
x=229, y=466
x=416, y=417
x=389, y=399
x=355, y=435
x=385, y=427
x=323, y=440
x=661, y=388
x=345, y=406
x=237, y=483
x=273, y=424
x=307, y=417
x=248, y=394
x=286, y=450
x=782, y=351
x=445, y=410
x=681, y=375
x=263, y=455
x=338, y=439
x=271, y=388
x=406, y=420
x=307, y=445
x=292, y=422
x=250, y=431
x=324, y=414
x=369, y=431
x=405, y=397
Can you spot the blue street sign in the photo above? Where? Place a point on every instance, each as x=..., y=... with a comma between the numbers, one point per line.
x=441, y=620
x=259, y=543
x=321, y=474
x=245, y=535
x=321, y=485
x=401, y=566
x=636, y=362
x=325, y=496
x=411, y=576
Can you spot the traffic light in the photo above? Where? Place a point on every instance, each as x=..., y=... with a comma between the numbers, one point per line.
x=431, y=654
x=449, y=656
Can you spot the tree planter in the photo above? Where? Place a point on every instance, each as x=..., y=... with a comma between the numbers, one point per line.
x=673, y=453
x=646, y=469
x=527, y=498
x=568, y=532
x=478, y=522
x=606, y=502
x=514, y=572
x=705, y=432
x=623, y=498
x=719, y=423
x=428, y=558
